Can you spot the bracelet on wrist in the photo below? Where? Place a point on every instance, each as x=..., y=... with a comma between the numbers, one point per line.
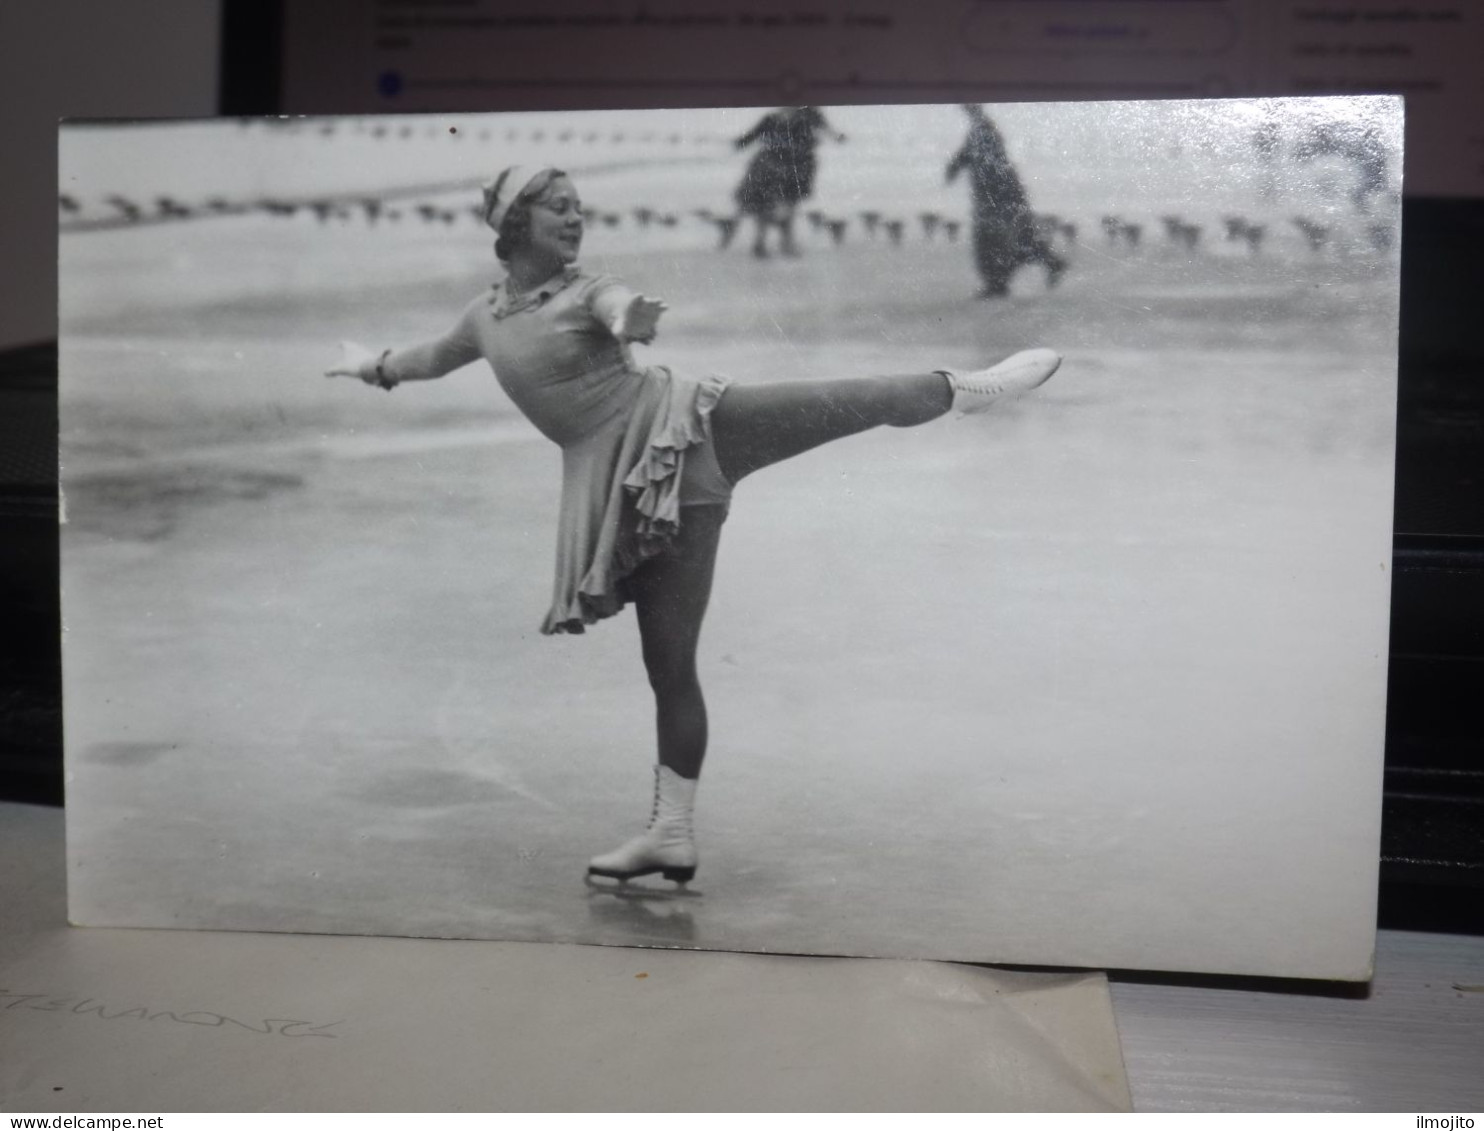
x=384, y=380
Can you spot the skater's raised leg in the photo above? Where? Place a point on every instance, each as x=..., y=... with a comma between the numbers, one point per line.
x=755, y=426
x=758, y=425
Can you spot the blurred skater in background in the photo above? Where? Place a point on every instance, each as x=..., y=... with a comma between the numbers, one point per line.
x=781, y=173
x=1362, y=146
x=649, y=457
x=1005, y=235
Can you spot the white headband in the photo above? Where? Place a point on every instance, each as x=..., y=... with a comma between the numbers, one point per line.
x=502, y=192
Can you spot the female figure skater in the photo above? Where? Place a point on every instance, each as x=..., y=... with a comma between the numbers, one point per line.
x=649, y=457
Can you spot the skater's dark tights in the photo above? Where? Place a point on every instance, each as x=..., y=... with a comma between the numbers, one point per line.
x=757, y=425
x=670, y=595
x=752, y=427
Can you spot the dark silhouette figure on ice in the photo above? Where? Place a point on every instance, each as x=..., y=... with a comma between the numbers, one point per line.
x=1005, y=229
x=781, y=172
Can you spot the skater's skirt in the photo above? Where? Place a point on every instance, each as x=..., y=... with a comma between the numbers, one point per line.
x=623, y=487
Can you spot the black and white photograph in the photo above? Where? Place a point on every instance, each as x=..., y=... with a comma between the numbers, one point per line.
x=927, y=531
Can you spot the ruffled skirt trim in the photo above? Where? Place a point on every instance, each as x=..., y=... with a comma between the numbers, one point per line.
x=621, y=497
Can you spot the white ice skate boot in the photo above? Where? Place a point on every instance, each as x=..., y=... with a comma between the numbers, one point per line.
x=1019, y=373
x=667, y=846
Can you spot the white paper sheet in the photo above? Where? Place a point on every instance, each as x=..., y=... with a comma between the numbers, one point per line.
x=151, y=1021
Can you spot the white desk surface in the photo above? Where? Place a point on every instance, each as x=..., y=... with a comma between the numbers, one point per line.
x=1413, y=1041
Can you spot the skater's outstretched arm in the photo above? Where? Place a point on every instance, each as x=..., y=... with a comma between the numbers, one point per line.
x=631, y=317
x=423, y=362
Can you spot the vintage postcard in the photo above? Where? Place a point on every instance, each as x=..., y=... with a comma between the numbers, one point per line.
x=946, y=531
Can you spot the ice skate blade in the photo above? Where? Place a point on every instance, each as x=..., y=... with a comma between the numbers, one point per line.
x=680, y=873
x=621, y=889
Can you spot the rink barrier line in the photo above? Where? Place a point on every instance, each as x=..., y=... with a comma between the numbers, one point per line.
x=165, y=209
x=1120, y=237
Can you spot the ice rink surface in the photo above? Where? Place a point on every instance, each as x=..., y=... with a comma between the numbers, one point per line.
x=1095, y=680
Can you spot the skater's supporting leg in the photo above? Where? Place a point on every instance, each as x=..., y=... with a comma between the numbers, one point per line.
x=758, y=425
x=670, y=597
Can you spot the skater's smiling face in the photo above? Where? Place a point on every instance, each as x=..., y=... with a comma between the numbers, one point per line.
x=553, y=223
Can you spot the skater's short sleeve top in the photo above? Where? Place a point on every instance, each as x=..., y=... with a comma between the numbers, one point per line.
x=552, y=350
